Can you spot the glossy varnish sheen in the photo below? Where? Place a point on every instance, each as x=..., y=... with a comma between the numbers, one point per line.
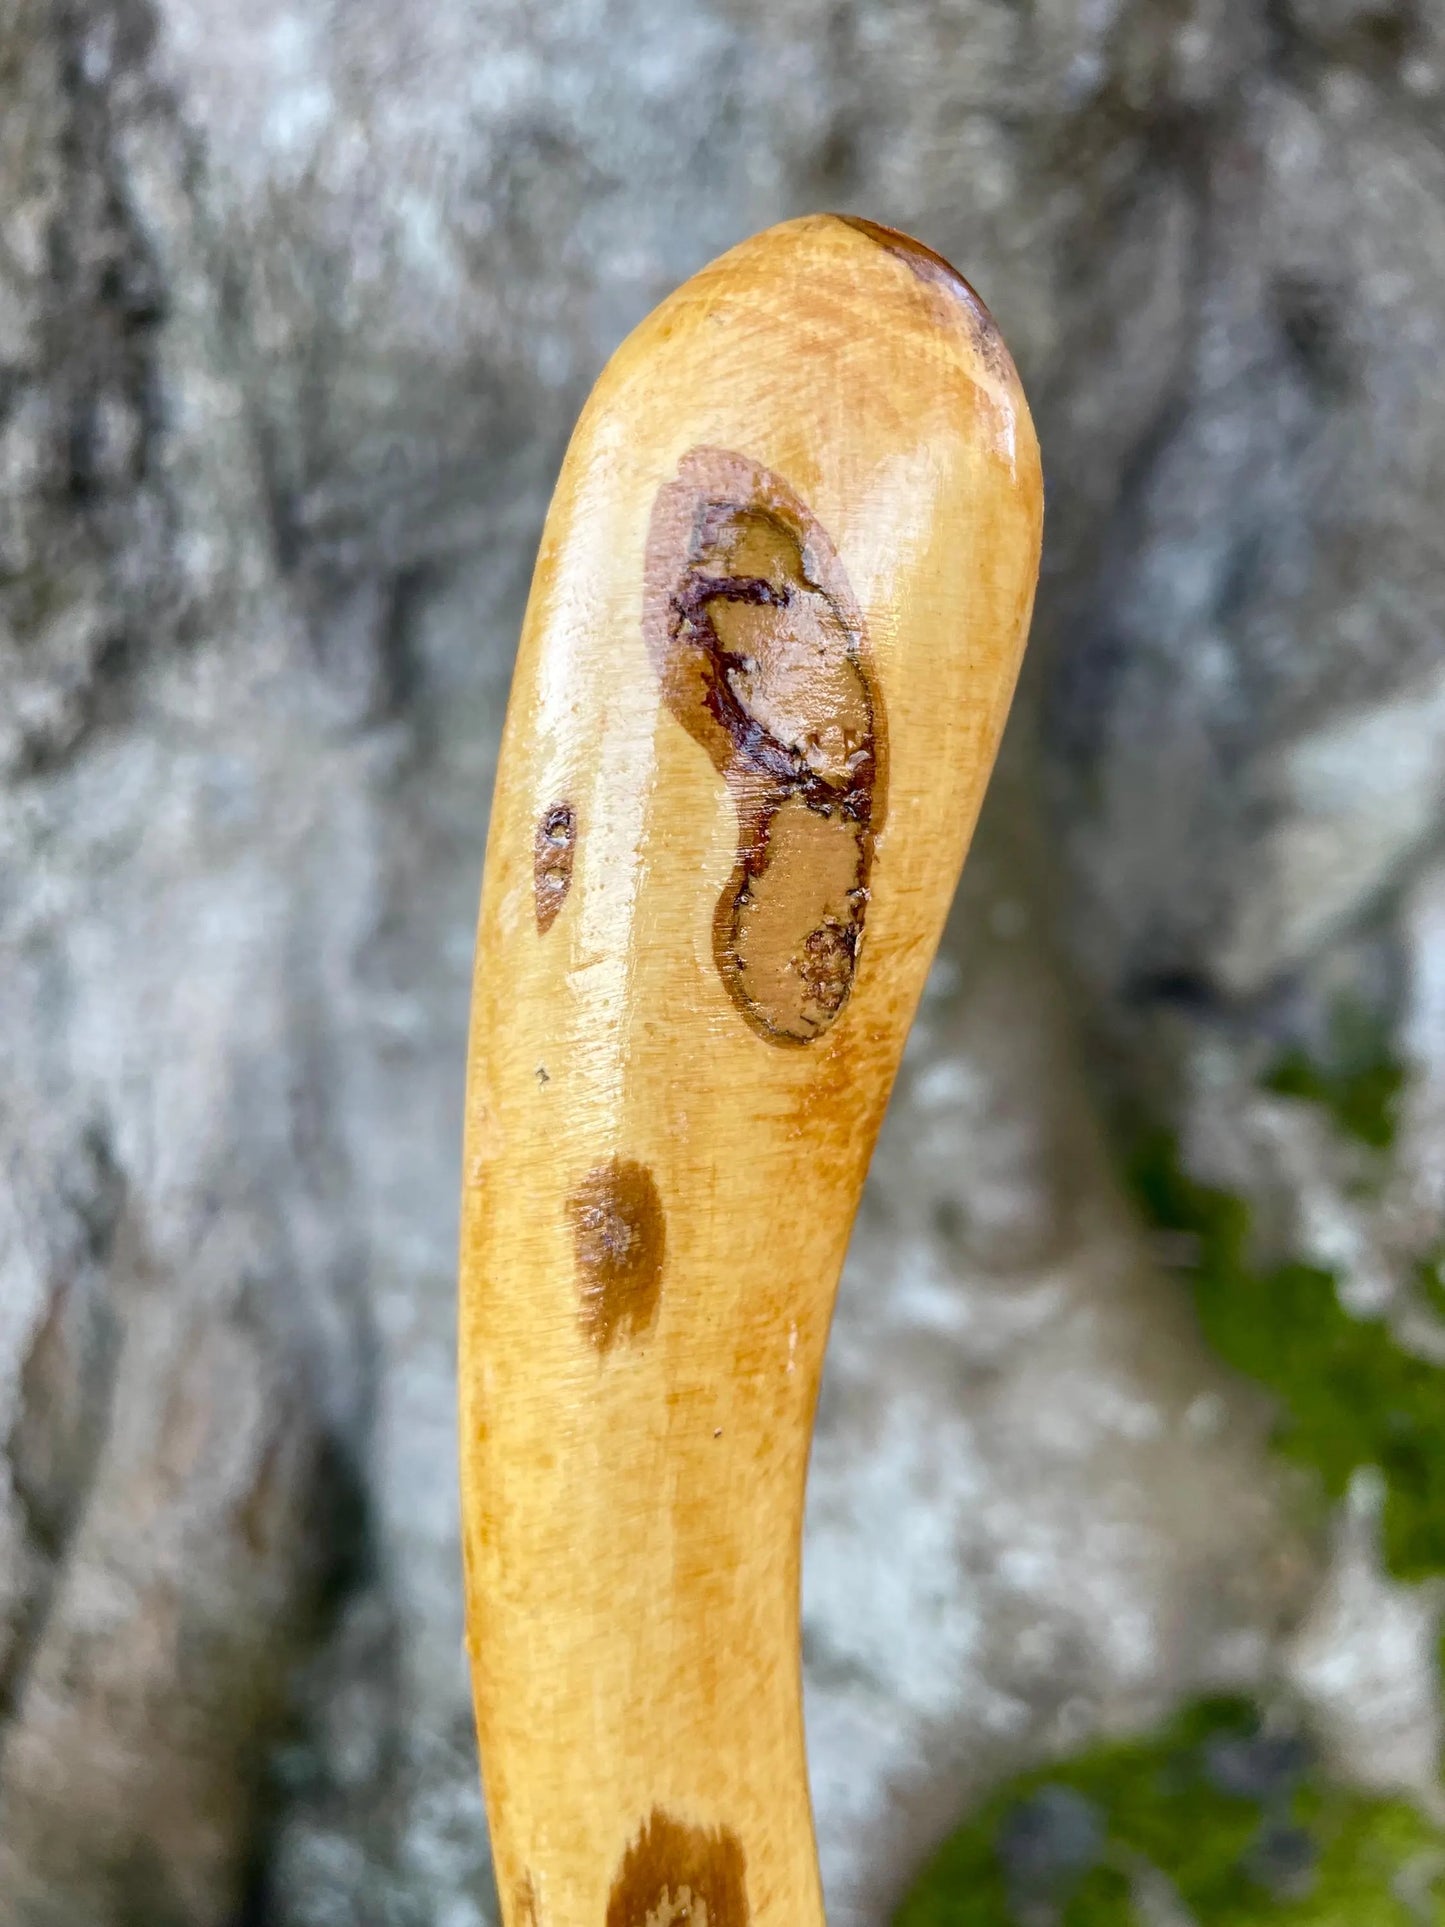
x=777, y=616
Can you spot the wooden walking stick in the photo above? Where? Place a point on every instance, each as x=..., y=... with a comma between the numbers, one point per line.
x=777, y=616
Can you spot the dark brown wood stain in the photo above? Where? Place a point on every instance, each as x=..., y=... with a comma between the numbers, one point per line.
x=620, y=1240
x=553, y=847
x=936, y=272
x=673, y=1875
x=758, y=643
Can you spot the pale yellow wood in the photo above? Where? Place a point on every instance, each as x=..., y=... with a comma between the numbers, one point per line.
x=810, y=474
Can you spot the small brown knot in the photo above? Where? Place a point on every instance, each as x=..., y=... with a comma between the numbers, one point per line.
x=553, y=848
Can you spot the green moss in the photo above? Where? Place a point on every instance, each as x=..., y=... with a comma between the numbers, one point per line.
x=1233, y=1820
x=1349, y=1396
x=1430, y=1281
x=1213, y=1820
x=1359, y=1084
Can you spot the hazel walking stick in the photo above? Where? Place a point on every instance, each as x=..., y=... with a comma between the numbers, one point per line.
x=777, y=615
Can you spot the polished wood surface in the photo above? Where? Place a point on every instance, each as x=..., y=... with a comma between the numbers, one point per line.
x=776, y=621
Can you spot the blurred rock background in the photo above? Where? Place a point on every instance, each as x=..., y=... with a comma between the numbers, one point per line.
x=1133, y=1382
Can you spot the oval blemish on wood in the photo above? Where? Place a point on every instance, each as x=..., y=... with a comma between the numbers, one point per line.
x=673, y=1875
x=619, y=1238
x=758, y=643
x=553, y=848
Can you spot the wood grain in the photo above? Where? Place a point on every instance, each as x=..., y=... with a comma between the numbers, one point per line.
x=778, y=612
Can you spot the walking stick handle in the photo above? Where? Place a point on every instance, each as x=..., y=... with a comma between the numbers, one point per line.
x=778, y=612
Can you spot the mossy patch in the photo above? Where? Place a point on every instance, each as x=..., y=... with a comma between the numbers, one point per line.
x=1363, y=1103
x=1215, y=1821
x=1349, y=1395
x=1359, y=1082
x=1430, y=1282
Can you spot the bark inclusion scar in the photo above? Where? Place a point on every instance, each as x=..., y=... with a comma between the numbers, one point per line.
x=758, y=643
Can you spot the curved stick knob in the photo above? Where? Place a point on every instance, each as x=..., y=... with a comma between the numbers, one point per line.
x=778, y=612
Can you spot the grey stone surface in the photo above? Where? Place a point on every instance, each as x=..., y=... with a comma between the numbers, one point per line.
x=297, y=304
